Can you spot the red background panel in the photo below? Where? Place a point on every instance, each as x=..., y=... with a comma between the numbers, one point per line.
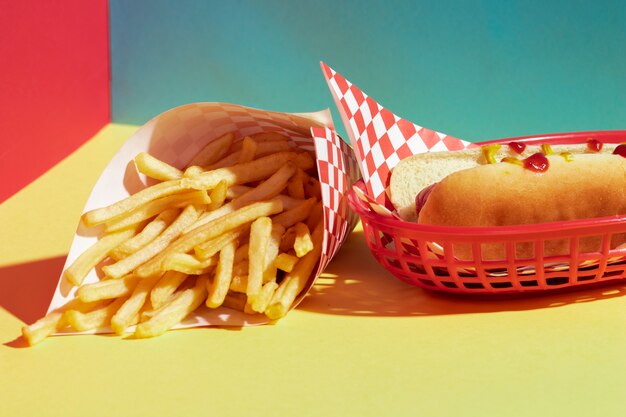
x=54, y=84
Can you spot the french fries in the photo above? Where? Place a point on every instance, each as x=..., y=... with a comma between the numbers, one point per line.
x=230, y=229
x=88, y=260
x=302, y=243
x=211, y=247
x=248, y=150
x=155, y=168
x=126, y=265
x=297, y=214
x=148, y=234
x=100, y=317
x=218, y=196
x=295, y=187
x=188, y=264
x=213, y=151
x=175, y=311
x=98, y=216
x=165, y=287
x=107, y=289
x=269, y=189
x=129, y=311
x=295, y=280
x=154, y=207
x=260, y=232
x=223, y=275
x=285, y=262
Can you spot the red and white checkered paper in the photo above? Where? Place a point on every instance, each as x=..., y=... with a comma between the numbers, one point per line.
x=381, y=139
x=338, y=171
x=176, y=135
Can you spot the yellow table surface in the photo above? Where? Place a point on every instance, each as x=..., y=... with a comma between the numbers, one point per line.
x=361, y=344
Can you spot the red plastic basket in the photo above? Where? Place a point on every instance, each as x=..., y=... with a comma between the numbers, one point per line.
x=423, y=255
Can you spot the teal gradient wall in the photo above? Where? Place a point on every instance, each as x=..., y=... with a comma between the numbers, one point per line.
x=473, y=69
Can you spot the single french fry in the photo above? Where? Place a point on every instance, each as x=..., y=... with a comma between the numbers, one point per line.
x=236, y=191
x=42, y=328
x=188, y=264
x=235, y=301
x=256, y=170
x=248, y=307
x=242, y=254
x=295, y=281
x=193, y=171
x=188, y=283
x=297, y=214
x=288, y=239
x=271, y=252
x=312, y=189
x=285, y=262
x=175, y=311
x=315, y=216
x=54, y=321
x=218, y=195
x=95, y=319
x=107, y=289
x=211, y=247
x=303, y=243
x=77, y=272
x=157, y=206
x=101, y=215
x=228, y=161
x=213, y=150
x=214, y=228
x=248, y=150
x=155, y=168
x=149, y=233
x=295, y=186
x=270, y=147
x=239, y=283
x=269, y=137
x=260, y=233
x=261, y=301
x=165, y=287
x=126, y=265
x=128, y=312
x=241, y=268
x=290, y=202
x=269, y=189
x=218, y=289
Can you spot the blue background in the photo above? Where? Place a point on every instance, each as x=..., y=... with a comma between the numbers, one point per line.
x=472, y=69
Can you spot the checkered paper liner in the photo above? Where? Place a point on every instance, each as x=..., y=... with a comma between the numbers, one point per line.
x=338, y=171
x=176, y=135
x=381, y=139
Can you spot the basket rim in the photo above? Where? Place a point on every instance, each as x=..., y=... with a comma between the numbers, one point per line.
x=606, y=136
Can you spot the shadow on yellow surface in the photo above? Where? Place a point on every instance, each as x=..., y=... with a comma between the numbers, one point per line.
x=27, y=289
x=355, y=284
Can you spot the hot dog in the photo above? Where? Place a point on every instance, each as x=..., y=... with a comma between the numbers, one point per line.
x=572, y=184
x=414, y=174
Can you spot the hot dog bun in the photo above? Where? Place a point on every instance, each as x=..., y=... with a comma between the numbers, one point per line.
x=503, y=194
x=417, y=172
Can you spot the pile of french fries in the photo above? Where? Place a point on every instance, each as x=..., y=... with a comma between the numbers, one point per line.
x=240, y=227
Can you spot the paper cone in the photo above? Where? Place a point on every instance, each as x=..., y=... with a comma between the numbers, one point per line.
x=176, y=135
